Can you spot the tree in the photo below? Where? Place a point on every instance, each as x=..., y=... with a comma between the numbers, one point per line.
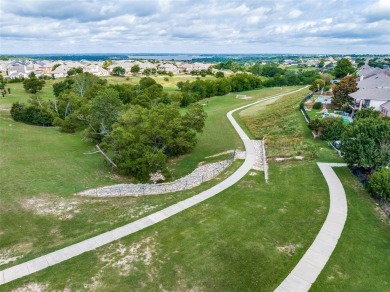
x=135, y=69
x=107, y=63
x=74, y=71
x=317, y=85
x=342, y=90
x=365, y=113
x=104, y=110
x=379, y=184
x=219, y=74
x=366, y=143
x=343, y=68
x=33, y=84
x=143, y=138
x=118, y=71
x=85, y=82
x=62, y=86
x=147, y=71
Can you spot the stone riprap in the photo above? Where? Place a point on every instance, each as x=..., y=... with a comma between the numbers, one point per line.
x=198, y=176
x=259, y=163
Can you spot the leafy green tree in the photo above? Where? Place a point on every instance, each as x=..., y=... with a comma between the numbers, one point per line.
x=365, y=113
x=135, y=69
x=55, y=66
x=256, y=69
x=107, y=63
x=74, y=71
x=343, y=68
x=317, y=85
x=147, y=71
x=219, y=74
x=332, y=129
x=33, y=84
x=104, y=110
x=366, y=143
x=342, y=90
x=62, y=86
x=143, y=138
x=85, y=82
x=118, y=71
x=379, y=184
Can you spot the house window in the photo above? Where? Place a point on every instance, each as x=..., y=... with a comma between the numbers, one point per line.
x=366, y=103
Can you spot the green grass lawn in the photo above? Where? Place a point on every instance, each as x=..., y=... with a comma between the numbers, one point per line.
x=42, y=168
x=219, y=135
x=245, y=239
x=361, y=260
x=248, y=237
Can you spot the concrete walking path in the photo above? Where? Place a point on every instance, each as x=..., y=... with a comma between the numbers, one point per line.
x=314, y=260
x=74, y=250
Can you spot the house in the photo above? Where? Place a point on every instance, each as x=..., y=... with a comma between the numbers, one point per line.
x=374, y=91
x=96, y=70
x=385, y=109
x=168, y=67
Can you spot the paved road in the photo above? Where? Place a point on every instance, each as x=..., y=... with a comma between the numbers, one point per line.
x=310, y=266
x=71, y=251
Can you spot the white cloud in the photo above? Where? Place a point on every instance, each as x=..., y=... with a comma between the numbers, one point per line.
x=308, y=26
x=295, y=13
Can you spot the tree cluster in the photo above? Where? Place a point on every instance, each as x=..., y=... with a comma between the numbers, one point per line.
x=140, y=126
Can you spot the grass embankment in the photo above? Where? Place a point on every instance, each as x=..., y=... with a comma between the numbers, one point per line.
x=220, y=135
x=246, y=238
x=361, y=260
x=41, y=168
x=285, y=131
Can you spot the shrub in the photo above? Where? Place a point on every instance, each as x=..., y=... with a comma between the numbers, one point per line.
x=31, y=115
x=380, y=184
x=317, y=105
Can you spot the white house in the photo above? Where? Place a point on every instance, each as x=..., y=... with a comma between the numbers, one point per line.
x=374, y=91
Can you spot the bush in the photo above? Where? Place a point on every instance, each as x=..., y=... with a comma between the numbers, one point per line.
x=31, y=115
x=317, y=105
x=379, y=184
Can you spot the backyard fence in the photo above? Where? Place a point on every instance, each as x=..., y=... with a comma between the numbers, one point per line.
x=303, y=110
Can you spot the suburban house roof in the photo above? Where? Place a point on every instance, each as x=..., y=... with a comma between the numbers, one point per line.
x=381, y=80
x=372, y=94
x=386, y=105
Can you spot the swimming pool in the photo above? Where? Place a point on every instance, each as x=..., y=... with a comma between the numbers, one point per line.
x=324, y=99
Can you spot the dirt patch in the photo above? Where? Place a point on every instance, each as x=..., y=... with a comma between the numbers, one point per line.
x=32, y=287
x=63, y=209
x=9, y=255
x=219, y=154
x=382, y=214
x=252, y=173
x=125, y=258
x=288, y=249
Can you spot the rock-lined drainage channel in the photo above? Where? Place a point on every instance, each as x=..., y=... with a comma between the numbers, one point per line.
x=74, y=250
x=197, y=177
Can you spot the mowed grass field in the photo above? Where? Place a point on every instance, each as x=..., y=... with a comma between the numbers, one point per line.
x=42, y=168
x=248, y=238
x=245, y=239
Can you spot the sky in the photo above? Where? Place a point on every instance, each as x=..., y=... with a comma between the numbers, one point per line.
x=195, y=26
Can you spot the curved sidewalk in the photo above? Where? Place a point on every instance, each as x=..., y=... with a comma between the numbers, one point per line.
x=314, y=260
x=74, y=250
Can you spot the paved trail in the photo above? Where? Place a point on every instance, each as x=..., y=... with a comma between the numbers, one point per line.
x=74, y=250
x=314, y=260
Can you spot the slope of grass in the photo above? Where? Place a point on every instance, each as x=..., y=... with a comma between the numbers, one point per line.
x=244, y=239
x=219, y=135
x=41, y=169
x=361, y=260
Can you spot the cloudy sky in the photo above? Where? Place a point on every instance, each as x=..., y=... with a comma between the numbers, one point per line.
x=194, y=26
